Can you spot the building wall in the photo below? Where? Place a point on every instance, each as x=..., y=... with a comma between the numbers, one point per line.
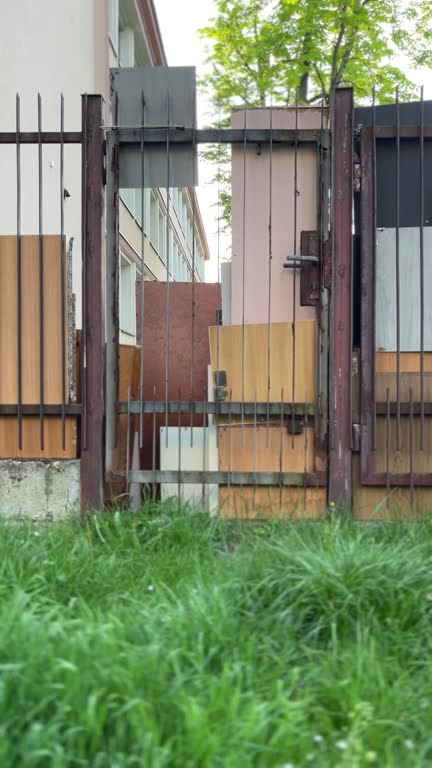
x=55, y=47
x=49, y=47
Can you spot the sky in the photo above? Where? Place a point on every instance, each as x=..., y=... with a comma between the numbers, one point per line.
x=179, y=23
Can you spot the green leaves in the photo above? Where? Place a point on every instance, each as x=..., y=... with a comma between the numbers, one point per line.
x=275, y=51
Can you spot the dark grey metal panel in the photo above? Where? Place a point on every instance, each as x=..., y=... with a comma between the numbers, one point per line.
x=409, y=182
x=156, y=97
x=385, y=114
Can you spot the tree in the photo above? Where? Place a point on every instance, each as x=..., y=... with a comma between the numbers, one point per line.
x=288, y=51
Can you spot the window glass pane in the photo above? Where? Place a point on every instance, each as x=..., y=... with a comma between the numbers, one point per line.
x=114, y=23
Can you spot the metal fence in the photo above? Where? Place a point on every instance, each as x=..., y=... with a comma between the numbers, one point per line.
x=45, y=381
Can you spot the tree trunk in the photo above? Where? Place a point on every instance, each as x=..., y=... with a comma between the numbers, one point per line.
x=303, y=87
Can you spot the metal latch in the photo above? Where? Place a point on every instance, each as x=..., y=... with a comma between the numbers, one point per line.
x=307, y=261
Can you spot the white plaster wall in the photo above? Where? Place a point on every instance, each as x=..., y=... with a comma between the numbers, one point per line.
x=50, y=47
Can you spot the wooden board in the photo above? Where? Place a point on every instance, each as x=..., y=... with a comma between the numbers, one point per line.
x=264, y=503
x=386, y=362
x=370, y=503
x=227, y=348
x=244, y=449
x=53, y=448
x=52, y=374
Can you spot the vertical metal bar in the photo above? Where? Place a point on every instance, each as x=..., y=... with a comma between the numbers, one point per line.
x=218, y=266
x=154, y=445
x=19, y=273
x=92, y=449
x=141, y=389
x=112, y=293
x=422, y=292
x=388, y=436
x=62, y=275
x=167, y=331
x=254, y=447
x=294, y=271
x=270, y=257
x=281, y=450
x=340, y=455
x=243, y=278
x=179, y=475
x=305, y=451
x=230, y=442
x=374, y=230
x=41, y=281
x=398, y=340
x=194, y=159
x=84, y=174
x=411, y=449
x=204, y=444
x=128, y=437
x=368, y=310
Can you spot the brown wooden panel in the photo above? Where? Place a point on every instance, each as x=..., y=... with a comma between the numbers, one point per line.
x=184, y=358
x=226, y=345
x=370, y=503
x=264, y=503
x=30, y=320
x=409, y=362
x=400, y=460
x=408, y=381
x=247, y=450
x=53, y=448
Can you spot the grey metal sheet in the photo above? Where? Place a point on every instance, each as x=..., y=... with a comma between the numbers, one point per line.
x=409, y=240
x=169, y=97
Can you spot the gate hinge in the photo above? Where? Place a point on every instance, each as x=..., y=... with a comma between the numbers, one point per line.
x=327, y=264
x=356, y=438
x=357, y=174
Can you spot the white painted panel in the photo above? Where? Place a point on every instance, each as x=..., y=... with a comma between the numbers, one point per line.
x=409, y=269
x=196, y=452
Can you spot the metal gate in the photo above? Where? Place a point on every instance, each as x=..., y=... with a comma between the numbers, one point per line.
x=274, y=437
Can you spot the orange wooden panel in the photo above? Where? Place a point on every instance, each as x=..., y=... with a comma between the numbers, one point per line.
x=229, y=344
x=53, y=448
x=244, y=449
x=263, y=503
x=30, y=320
x=409, y=362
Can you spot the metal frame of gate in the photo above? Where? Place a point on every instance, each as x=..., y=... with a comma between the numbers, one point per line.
x=333, y=322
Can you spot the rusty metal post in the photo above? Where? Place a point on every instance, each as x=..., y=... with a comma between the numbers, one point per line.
x=92, y=437
x=340, y=453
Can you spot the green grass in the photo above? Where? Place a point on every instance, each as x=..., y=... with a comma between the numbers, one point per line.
x=163, y=639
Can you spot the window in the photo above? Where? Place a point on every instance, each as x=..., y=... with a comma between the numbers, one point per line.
x=114, y=23
x=127, y=296
x=162, y=236
x=154, y=221
x=127, y=47
x=127, y=195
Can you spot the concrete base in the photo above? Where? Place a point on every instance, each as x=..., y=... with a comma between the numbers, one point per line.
x=39, y=490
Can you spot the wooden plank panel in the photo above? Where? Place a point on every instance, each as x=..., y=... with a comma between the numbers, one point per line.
x=264, y=503
x=370, y=503
x=399, y=460
x=238, y=446
x=408, y=381
x=226, y=350
x=409, y=362
x=30, y=320
x=31, y=438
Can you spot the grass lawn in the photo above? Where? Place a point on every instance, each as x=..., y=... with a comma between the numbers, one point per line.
x=166, y=640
